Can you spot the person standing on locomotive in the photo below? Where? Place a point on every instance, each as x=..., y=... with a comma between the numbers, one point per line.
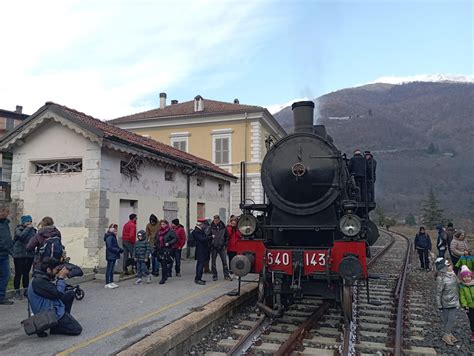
x=357, y=169
x=219, y=238
x=371, y=167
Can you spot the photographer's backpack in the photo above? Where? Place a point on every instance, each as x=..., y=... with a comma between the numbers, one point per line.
x=52, y=248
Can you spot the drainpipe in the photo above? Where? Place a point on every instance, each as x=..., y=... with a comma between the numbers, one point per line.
x=189, y=173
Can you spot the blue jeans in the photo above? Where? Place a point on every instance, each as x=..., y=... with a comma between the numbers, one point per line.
x=142, y=270
x=155, y=265
x=109, y=272
x=4, y=275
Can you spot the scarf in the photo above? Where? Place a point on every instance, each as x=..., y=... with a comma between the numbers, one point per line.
x=162, y=234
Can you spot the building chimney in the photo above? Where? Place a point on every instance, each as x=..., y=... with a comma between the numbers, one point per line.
x=236, y=101
x=303, y=116
x=174, y=102
x=198, y=103
x=19, y=109
x=162, y=100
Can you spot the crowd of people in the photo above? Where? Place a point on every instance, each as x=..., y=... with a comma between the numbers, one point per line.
x=454, y=276
x=159, y=246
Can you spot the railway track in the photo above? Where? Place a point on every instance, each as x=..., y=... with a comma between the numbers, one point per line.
x=313, y=326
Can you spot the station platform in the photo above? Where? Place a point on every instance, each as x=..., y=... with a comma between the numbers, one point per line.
x=113, y=319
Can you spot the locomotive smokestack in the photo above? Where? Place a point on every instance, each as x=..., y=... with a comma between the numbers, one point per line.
x=303, y=116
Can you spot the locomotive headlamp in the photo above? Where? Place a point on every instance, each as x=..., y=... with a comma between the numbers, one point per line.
x=350, y=225
x=247, y=224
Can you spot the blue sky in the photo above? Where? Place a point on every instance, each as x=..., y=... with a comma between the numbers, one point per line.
x=112, y=58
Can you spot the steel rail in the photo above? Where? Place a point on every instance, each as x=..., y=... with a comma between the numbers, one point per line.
x=400, y=297
x=248, y=340
x=299, y=334
x=347, y=328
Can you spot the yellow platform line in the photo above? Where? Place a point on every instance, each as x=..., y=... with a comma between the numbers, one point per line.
x=135, y=321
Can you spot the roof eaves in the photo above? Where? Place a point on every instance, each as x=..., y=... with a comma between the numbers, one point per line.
x=57, y=109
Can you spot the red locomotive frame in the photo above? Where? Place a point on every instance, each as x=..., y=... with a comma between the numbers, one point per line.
x=318, y=260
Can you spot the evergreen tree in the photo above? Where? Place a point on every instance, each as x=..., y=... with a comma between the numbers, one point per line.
x=431, y=212
x=410, y=220
x=379, y=216
x=389, y=222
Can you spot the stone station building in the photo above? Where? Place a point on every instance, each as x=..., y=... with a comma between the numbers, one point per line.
x=87, y=174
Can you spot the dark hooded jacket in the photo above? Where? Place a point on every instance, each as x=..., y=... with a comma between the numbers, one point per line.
x=23, y=235
x=6, y=242
x=357, y=166
x=219, y=235
x=112, y=248
x=38, y=240
x=371, y=165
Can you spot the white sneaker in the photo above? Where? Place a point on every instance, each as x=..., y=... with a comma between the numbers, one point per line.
x=108, y=285
x=113, y=285
x=138, y=281
x=149, y=279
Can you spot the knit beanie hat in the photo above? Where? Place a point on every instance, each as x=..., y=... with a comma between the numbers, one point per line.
x=141, y=235
x=465, y=271
x=441, y=263
x=26, y=218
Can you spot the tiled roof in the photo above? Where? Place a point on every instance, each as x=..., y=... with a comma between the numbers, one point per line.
x=113, y=132
x=187, y=109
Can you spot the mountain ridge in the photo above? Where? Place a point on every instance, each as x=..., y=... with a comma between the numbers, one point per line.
x=420, y=132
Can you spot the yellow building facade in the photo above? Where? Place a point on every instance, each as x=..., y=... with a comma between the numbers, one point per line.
x=223, y=133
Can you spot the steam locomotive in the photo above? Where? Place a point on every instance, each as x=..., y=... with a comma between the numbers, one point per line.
x=312, y=236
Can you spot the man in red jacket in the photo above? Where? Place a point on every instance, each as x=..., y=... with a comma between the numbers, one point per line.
x=129, y=237
x=178, y=246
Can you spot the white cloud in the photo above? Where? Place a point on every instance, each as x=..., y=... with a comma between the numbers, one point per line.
x=107, y=58
x=425, y=78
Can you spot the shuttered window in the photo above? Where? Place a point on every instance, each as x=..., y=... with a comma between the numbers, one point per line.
x=221, y=150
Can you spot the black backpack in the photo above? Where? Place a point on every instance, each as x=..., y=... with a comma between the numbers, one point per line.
x=52, y=248
x=191, y=240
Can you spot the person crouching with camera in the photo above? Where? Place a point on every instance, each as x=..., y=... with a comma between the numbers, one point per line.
x=47, y=291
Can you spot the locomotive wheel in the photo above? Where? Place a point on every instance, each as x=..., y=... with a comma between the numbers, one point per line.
x=346, y=301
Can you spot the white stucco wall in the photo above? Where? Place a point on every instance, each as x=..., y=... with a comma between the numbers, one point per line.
x=60, y=196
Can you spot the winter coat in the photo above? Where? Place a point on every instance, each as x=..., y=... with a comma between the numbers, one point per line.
x=6, y=242
x=219, y=235
x=151, y=232
x=202, y=244
x=166, y=238
x=357, y=166
x=142, y=250
x=459, y=246
x=44, y=295
x=465, y=261
x=23, y=235
x=234, y=236
x=441, y=242
x=423, y=242
x=112, y=248
x=466, y=295
x=450, y=234
x=129, y=232
x=447, y=294
x=181, y=237
x=38, y=240
x=371, y=165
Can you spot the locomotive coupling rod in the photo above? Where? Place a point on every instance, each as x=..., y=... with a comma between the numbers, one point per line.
x=297, y=336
